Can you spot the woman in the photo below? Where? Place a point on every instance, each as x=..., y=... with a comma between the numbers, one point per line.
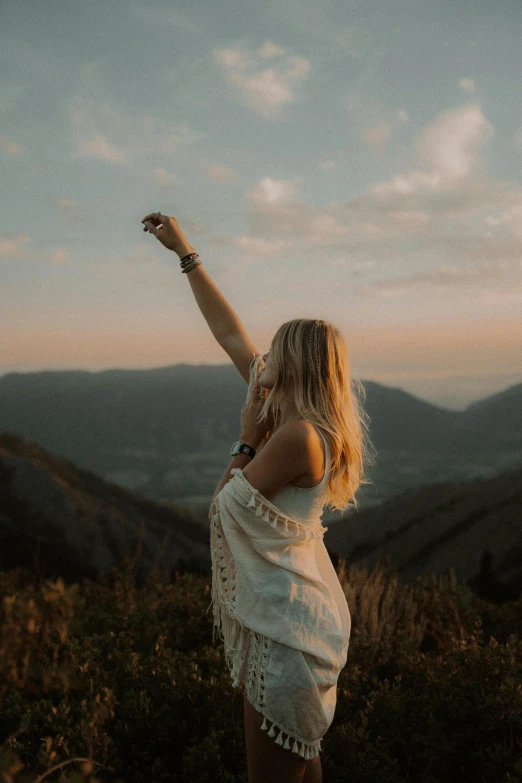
x=302, y=445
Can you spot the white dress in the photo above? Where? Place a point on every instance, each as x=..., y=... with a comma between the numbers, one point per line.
x=266, y=675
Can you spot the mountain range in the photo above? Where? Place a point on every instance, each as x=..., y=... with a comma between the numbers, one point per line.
x=166, y=432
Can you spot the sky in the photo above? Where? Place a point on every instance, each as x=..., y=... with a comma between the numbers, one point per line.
x=359, y=162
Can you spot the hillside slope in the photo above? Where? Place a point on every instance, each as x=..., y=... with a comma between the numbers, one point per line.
x=442, y=526
x=76, y=524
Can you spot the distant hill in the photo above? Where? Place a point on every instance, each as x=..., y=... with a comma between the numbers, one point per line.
x=473, y=526
x=65, y=521
x=166, y=432
x=500, y=416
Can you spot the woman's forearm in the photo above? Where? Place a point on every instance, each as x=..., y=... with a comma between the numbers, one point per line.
x=238, y=461
x=221, y=318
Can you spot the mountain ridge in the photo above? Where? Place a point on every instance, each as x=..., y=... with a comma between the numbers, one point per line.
x=166, y=432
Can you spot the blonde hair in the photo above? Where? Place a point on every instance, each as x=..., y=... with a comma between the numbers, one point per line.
x=311, y=362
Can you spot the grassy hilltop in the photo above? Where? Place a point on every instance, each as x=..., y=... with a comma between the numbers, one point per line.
x=108, y=681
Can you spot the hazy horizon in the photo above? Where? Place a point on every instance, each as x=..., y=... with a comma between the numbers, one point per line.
x=360, y=163
x=445, y=401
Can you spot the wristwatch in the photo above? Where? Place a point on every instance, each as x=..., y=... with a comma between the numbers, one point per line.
x=242, y=448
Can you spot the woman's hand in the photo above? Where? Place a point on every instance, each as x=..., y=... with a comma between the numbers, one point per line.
x=167, y=230
x=253, y=432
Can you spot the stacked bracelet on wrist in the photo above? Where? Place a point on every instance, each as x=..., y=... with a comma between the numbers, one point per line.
x=190, y=262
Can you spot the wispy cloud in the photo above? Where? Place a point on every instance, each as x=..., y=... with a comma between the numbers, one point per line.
x=96, y=146
x=377, y=137
x=468, y=85
x=445, y=276
x=375, y=121
x=219, y=172
x=451, y=146
x=264, y=90
x=162, y=177
x=69, y=210
x=66, y=204
x=273, y=191
x=14, y=246
x=328, y=165
x=11, y=148
x=99, y=130
x=59, y=256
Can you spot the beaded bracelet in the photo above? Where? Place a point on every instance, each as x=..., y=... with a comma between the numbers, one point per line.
x=191, y=267
x=189, y=262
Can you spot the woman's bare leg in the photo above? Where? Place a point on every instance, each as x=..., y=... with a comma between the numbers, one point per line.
x=314, y=773
x=267, y=761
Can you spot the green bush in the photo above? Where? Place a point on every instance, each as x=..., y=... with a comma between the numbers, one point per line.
x=119, y=683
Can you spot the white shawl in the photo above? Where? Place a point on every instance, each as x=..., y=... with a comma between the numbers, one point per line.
x=266, y=579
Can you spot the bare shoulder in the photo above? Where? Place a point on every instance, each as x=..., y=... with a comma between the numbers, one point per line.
x=302, y=440
x=291, y=442
x=308, y=432
x=290, y=433
x=300, y=431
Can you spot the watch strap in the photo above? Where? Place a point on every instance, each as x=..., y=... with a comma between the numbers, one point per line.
x=242, y=448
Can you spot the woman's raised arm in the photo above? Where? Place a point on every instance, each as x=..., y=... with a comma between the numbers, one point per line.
x=223, y=321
